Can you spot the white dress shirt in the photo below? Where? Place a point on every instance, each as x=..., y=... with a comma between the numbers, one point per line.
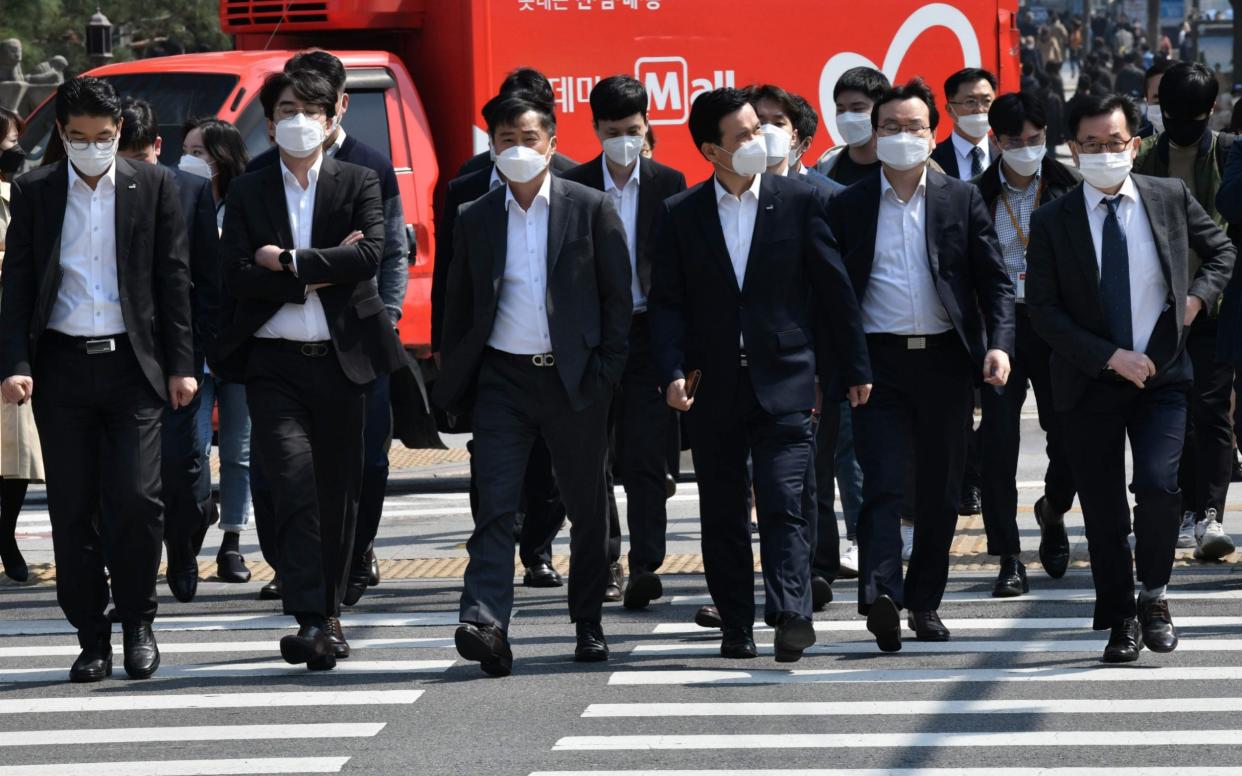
x=304, y=322
x=88, y=303
x=963, y=148
x=737, y=221
x=1148, y=290
x=521, y=324
x=626, y=201
x=901, y=295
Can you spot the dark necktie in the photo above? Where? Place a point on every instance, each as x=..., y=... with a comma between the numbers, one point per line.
x=1115, y=279
x=976, y=162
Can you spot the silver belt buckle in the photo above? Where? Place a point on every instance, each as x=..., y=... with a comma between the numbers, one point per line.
x=543, y=359
x=314, y=349
x=916, y=343
x=95, y=347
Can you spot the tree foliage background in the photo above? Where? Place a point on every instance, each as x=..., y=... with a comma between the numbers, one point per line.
x=50, y=27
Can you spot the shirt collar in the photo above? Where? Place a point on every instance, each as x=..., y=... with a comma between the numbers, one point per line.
x=721, y=192
x=886, y=187
x=1094, y=196
x=312, y=175
x=494, y=180
x=609, y=183
x=963, y=146
x=1030, y=187
x=109, y=176
x=335, y=148
x=545, y=193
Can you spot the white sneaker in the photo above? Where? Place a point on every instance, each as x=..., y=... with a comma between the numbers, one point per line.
x=1186, y=535
x=1213, y=542
x=907, y=540
x=849, y=562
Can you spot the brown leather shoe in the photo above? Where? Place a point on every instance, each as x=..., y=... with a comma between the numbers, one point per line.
x=340, y=647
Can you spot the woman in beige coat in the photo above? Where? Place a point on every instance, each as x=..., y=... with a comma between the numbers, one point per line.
x=21, y=458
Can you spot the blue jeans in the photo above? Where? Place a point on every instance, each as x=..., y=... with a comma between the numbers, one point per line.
x=234, y=438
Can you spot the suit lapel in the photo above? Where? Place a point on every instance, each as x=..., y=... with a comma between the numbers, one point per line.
x=1155, y=207
x=126, y=194
x=648, y=204
x=936, y=196
x=274, y=200
x=1074, y=208
x=558, y=221
x=709, y=222
x=498, y=237
x=765, y=215
x=56, y=199
x=326, y=190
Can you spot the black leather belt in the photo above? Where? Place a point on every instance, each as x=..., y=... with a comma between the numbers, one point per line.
x=541, y=360
x=308, y=349
x=922, y=342
x=91, y=346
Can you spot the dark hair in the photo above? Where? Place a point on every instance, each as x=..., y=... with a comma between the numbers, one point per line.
x=618, y=97
x=914, y=89
x=319, y=61
x=1010, y=112
x=967, y=75
x=86, y=96
x=141, y=129
x=651, y=138
x=1188, y=90
x=708, y=110
x=1094, y=105
x=308, y=86
x=867, y=80
x=1158, y=67
x=8, y=120
x=534, y=83
x=506, y=109
x=807, y=120
x=224, y=145
x=1235, y=118
x=756, y=92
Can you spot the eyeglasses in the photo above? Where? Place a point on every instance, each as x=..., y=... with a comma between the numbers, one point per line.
x=82, y=145
x=972, y=104
x=893, y=129
x=1111, y=146
x=290, y=112
x=1013, y=144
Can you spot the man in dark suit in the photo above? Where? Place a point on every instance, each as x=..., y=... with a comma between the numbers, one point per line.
x=937, y=306
x=1022, y=179
x=641, y=423
x=968, y=94
x=536, y=320
x=185, y=470
x=536, y=85
x=301, y=244
x=97, y=329
x=1110, y=290
x=749, y=292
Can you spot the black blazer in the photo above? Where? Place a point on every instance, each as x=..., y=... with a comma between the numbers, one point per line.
x=198, y=207
x=946, y=156
x=965, y=258
x=826, y=186
x=347, y=197
x=460, y=191
x=1063, y=280
x=588, y=291
x=152, y=262
x=795, y=306
x=656, y=183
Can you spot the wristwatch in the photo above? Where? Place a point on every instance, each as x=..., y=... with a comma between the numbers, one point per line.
x=286, y=260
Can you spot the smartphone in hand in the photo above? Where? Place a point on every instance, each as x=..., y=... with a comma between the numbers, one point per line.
x=692, y=382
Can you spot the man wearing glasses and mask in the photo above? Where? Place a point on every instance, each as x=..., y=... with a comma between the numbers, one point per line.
x=969, y=94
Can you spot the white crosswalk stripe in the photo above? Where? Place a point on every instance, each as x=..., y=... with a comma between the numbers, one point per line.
x=1180, y=771
x=983, y=623
x=200, y=647
x=196, y=733
x=243, y=700
x=236, y=622
x=251, y=766
x=911, y=707
x=265, y=668
x=847, y=596
x=857, y=675
x=1188, y=644
x=947, y=739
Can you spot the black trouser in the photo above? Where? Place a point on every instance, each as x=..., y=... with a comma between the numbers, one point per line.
x=264, y=511
x=99, y=424
x=542, y=513
x=516, y=403
x=307, y=423
x=1095, y=432
x=972, y=473
x=1000, y=436
x=826, y=558
x=376, y=439
x=1207, y=455
x=781, y=450
x=642, y=427
x=920, y=405
x=186, y=477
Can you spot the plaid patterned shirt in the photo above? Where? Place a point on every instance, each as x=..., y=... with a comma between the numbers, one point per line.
x=1022, y=202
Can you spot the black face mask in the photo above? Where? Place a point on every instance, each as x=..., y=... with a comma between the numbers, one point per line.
x=1184, y=132
x=11, y=160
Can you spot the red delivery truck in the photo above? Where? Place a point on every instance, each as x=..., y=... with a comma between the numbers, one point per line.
x=420, y=70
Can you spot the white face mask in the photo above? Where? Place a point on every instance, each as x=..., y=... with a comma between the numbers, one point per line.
x=855, y=128
x=777, y=142
x=623, y=150
x=300, y=135
x=750, y=158
x=1105, y=170
x=92, y=161
x=1024, y=161
x=902, y=151
x=1155, y=117
x=195, y=166
x=520, y=164
x=795, y=154
x=974, y=125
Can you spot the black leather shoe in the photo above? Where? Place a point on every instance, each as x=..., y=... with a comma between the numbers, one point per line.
x=972, y=503
x=1124, y=642
x=94, y=664
x=1011, y=581
x=1054, y=549
x=231, y=567
x=708, y=617
x=592, y=646
x=670, y=486
x=884, y=622
x=821, y=593
x=312, y=645
x=340, y=647
x=1159, y=635
x=373, y=576
x=542, y=575
x=486, y=645
x=641, y=589
x=793, y=634
x=270, y=591
x=142, y=654
x=15, y=567
x=358, y=581
x=183, y=584
x=927, y=626
x=738, y=645
x=616, y=582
